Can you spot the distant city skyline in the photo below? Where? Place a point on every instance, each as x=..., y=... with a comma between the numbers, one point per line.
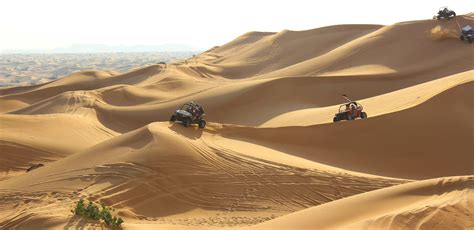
x=53, y=24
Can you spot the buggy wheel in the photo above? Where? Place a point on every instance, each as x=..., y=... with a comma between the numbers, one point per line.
x=335, y=119
x=173, y=118
x=454, y=14
x=462, y=38
x=202, y=124
x=363, y=115
x=349, y=117
x=187, y=122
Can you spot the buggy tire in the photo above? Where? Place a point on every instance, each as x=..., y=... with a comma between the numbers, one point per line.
x=173, y=118
x=202, y=124
x=335, y=119
x=363, y=115
x=349, y=117
x=461, y=37
x=454, y=14
x=187, y=122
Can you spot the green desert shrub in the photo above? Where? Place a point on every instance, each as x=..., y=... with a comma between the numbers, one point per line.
x=92, y=211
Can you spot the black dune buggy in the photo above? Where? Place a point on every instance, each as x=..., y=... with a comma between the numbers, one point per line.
x=445, y=13
x=349, y=111
x=189, y=113
x=467, y=34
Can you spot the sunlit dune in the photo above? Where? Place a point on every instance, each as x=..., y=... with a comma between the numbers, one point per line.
x=270, y=156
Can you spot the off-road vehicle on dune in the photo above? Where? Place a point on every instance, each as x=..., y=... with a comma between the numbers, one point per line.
x=189, y=113
x=445, y=13
x=467, y=34
x=349, y=111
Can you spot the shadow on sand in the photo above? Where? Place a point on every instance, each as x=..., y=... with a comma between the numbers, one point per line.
x=192, y=132
x=77, y=222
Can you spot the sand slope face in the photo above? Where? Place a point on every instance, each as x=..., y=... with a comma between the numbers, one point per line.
x=379, y=145
x=255, y=53
x=132, y=100
x=378, y=105
x=28, y=140
x=430, y=204
x=270, y=149
x=169, y=174
x=380, y=51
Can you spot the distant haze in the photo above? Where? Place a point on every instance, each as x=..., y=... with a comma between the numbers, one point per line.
x=144, y=25
x=101, y=48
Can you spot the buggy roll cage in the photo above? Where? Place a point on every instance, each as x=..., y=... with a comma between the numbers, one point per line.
x=342, y=108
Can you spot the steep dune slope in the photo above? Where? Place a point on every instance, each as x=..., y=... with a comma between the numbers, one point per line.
x=442, y=203
x=167, y=173
x=374, y=106
x=18, y=158
x=75, y=132
x=421, y=56
x=257, y=53
x=253, y=102
x=394, y=145
x=25, y=140
x=257, y=102
x=269, y=149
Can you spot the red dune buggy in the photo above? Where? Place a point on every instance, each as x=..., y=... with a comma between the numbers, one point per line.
x=350, y=111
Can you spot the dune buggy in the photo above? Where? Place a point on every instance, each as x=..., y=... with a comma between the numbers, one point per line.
x=467, y=34
x=350, y=111
x=189, y=113
x=445, y=13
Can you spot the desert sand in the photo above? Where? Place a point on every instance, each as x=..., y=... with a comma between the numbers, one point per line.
x=270, y=156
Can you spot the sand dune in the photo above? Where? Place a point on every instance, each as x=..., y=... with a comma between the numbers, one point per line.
x=26, y=140
x=442, y=203
x=255, y=53
x=210, y=182
x=314, y=93
x=379, y=145
x=420, y=54
x=232, y=97
x=270, y=152
x=378, y=105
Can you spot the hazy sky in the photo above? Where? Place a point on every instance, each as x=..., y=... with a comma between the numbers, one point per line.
x=45, y=24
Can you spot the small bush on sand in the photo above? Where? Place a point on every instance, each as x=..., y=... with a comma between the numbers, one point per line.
x=93, y=212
